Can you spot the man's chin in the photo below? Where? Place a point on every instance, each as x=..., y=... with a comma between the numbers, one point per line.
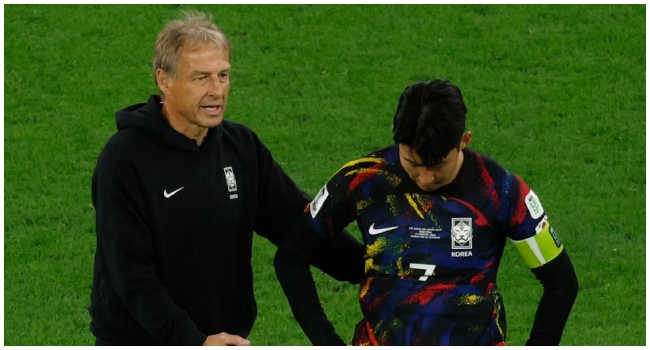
x=431, y=187
x=212, y=121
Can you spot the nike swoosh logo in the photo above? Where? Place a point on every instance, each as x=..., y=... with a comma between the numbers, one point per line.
x=375, y=231
x=167, y=195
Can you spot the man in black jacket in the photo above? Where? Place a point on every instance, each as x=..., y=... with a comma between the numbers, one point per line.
x=178, y=193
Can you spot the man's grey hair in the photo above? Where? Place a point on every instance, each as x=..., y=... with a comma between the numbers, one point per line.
x=195, y=28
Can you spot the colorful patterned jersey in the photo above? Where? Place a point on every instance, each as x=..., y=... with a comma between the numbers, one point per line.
x=432, y=257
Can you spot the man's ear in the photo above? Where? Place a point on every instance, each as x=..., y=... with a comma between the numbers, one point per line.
x=164, y=81
x=465, y=140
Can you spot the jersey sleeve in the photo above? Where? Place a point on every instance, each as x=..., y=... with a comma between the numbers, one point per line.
x=528, y=226
x=320, y=233
x=529, y=229
x=334, y=206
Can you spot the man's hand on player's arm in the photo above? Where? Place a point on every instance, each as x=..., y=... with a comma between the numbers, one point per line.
x=225, y=339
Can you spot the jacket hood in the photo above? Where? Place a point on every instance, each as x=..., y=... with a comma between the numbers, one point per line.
x=149, y=119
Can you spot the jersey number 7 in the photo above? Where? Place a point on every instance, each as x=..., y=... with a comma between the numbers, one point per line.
x=428, y=270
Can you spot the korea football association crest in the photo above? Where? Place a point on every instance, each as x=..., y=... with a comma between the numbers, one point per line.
x=230, y=181
x=461, y=233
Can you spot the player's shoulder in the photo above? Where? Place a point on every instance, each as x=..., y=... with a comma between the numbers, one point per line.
x=373, y=172
x=486, y=164
x=376, y=161
x=389, y=154
x=504, y=181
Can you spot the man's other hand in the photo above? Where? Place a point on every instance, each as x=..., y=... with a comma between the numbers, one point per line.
x=225, y=339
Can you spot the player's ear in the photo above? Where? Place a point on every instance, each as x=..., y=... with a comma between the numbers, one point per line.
x=465, y=139
x=164, y=81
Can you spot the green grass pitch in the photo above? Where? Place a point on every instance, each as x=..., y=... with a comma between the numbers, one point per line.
x=556, y=93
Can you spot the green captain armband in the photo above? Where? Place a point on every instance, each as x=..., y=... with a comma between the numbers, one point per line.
x=540, y=248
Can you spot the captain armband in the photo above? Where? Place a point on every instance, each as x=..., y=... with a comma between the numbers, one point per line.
x=541, y=248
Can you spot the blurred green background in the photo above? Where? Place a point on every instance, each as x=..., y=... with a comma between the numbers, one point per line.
x=556, y=93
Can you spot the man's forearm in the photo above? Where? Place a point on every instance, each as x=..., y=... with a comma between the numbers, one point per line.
x=560, y=290
x=342, y=259
x=299, y=287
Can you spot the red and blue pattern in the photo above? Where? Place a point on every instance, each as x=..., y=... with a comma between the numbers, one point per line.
x=431, y=257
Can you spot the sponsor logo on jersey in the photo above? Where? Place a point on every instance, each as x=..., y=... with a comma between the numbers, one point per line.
x=230, y=179
x=317, y=203
x=375, y=231
x=534, y=206
x=556, y=240
x=461, y=233
x=167, y=195
x=541, y=224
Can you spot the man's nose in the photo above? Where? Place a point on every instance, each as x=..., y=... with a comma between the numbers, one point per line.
x=426, y=177
x=215, y=87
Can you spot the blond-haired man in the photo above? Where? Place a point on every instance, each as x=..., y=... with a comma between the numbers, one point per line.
x=178, y=193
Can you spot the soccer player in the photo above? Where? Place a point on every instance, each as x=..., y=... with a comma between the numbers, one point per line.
x=434, y=216
x=178, y=193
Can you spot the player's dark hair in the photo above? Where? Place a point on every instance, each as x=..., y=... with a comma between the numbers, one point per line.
x=430, y=119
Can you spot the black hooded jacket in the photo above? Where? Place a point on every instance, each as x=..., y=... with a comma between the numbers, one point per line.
x=175, y=225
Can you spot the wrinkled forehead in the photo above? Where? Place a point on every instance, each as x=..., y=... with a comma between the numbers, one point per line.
x=193, y=46
x=204, y=58
x=203, y=47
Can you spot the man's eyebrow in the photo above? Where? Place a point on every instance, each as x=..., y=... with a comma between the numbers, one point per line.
x=411, y=161
x=205, y=72
x=439, y=164
x=414, y=163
